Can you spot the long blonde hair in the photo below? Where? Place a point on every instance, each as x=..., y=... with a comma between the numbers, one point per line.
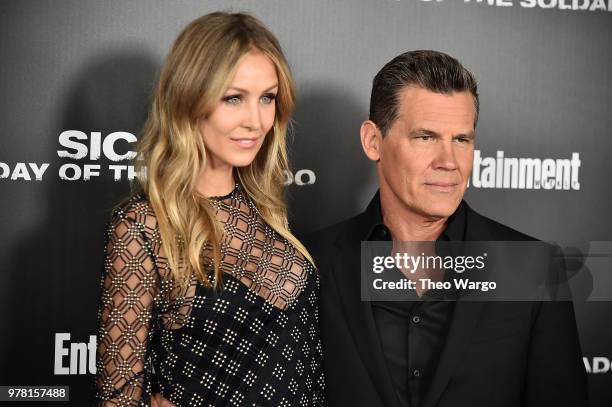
x=171, y=153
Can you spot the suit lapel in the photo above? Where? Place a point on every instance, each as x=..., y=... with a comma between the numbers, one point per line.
x=360, y=320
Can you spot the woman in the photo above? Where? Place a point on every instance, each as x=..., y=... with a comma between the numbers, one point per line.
x=207, y=297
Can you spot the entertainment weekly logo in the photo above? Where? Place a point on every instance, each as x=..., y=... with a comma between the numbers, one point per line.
x=501, y=172
x=570, y=5
x=84, y=151
x=79, y=358
x=74, y=358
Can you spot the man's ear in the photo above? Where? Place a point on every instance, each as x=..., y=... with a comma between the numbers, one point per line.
x=371, y=140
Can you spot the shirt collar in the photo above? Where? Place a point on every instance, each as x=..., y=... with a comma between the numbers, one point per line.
x=454, y=231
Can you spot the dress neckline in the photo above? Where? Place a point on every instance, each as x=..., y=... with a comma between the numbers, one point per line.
x=231, y=194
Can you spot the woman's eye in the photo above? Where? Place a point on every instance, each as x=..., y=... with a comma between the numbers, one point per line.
x=232, y=100
x=267, y=99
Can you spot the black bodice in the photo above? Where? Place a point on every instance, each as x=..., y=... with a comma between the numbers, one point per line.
x=255, y=342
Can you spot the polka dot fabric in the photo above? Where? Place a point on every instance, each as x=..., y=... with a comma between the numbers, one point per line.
x=255, y=342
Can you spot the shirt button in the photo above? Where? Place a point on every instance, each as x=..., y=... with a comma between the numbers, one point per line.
x=416, y=319
x=416, y=372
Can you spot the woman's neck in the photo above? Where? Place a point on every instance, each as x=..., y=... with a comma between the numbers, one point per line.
x=216, y=180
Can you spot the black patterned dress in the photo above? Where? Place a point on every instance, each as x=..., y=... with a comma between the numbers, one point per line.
x=253, y=343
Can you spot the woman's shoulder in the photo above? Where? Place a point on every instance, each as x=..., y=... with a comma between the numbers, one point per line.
x=136, y=209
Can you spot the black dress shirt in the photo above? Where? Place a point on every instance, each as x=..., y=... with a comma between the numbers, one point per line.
x=412, y=333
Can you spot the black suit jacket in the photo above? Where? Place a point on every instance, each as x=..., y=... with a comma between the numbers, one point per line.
x=496, y=354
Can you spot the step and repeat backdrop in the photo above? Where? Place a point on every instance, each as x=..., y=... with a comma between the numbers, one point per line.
x=76, y=79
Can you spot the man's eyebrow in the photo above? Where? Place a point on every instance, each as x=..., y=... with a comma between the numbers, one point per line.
x=237, y=89
x=471, y=135
x=424, y=132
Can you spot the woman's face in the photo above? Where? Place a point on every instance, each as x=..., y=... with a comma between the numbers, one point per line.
x=234, y=132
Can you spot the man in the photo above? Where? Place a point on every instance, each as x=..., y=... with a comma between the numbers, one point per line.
x=420, y=135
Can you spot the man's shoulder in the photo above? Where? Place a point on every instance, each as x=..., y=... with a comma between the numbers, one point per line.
x=353, y=230
x=340, y=232
x=481, y=227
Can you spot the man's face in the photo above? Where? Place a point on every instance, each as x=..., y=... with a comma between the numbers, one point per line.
x=426, y=157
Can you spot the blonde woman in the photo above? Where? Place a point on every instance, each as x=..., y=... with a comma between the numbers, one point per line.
x=207, y=297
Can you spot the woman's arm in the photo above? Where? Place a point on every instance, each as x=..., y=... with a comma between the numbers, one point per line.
x=129, y=287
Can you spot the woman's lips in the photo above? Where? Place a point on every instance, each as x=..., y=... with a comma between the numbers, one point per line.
x=245, y=142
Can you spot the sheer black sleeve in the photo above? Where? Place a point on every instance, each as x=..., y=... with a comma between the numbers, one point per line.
x=130, y=286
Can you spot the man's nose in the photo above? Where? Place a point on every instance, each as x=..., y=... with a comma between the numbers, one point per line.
x=445, y=156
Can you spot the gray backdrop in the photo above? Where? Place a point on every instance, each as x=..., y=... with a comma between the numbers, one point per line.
x=545, y=85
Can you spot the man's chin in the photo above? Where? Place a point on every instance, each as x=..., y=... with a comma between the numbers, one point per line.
x=441, y=210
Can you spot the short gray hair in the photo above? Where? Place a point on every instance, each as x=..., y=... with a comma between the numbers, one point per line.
x=431, y=70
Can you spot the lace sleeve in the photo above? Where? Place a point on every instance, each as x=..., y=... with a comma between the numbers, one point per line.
x=130, y=284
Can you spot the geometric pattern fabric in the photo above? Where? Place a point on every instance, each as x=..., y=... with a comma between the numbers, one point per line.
x=255, y=342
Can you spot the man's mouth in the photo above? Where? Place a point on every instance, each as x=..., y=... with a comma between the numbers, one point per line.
x=444, y=187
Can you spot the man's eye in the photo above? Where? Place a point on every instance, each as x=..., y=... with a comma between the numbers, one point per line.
x=233, y=99
x=464, y=140
x=267, y=99
x=426, y=138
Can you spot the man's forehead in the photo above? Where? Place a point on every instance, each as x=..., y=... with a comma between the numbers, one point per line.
x=420, y=105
